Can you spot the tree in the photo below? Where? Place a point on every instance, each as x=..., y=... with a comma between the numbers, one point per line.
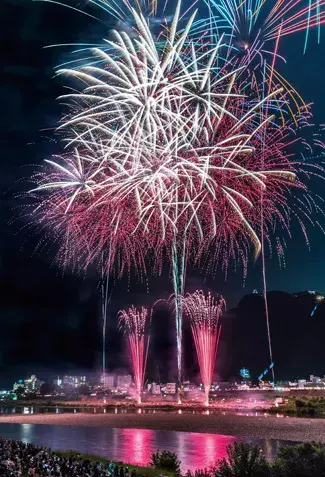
x=302, y=460
x=243, y=460
x=20, y=391
x=46, y=388
x=84, y=390
x=166, y=460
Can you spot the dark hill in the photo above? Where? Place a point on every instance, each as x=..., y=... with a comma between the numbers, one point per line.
x=297, y=324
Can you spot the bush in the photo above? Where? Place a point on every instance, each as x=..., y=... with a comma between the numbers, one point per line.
x=302, y=460
x=166, y=460
x=300, y=403
x=243, y=460
x=200, y=473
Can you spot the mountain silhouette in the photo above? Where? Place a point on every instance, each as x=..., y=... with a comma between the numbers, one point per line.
x=297, y=326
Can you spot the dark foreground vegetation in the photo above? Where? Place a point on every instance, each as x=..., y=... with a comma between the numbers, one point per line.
x=18, y=459
x=247, y=460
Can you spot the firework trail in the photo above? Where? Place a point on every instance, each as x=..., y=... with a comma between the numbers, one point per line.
x=178, y=261
x=118, y=9
x=105, y=301
x=204, y=313
x=135, y=324
x=253, y=23
x=253, y=29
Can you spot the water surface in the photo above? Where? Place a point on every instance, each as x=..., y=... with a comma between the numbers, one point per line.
x=134, y=446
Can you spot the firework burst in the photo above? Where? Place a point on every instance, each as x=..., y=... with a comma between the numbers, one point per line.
x=253, y=23
x=253, y=30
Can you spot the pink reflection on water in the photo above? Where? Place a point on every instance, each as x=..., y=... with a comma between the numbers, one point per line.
x=203, y=450
x=194, y=450
x=136, y=443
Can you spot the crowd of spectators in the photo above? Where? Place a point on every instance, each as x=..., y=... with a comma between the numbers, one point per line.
x=18, y=459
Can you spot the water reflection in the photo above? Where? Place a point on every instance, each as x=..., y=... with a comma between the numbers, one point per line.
x=26, y=431
x=195, y=450
x=137, y=441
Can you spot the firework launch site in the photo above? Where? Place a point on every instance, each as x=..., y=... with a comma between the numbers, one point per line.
x=114, y=393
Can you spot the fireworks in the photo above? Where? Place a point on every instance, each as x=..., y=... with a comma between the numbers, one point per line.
x=160, y=139
x=135, y=324
x=176, y=147
x=164, y=155
x=253, y=23
x=254, y=28
x=204, y=313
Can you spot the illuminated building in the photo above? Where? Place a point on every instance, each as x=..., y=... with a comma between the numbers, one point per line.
x=155, y=389
x=110, y=381
x=18, y=384
x=245, y=374
x=74, y=381
x=123, y=381
x=32, y=384
x=315, y=379
x=170, y=388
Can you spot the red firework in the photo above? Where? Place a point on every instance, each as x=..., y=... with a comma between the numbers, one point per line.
x=136, y=324
x=204, y=313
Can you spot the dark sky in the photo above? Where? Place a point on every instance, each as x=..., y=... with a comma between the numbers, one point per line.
x=50, y=319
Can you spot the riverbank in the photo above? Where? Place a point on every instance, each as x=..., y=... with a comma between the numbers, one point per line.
x=143, y=471
x=25, y=459
x=270, y=427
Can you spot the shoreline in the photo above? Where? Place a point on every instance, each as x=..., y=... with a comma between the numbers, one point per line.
x=270, y=427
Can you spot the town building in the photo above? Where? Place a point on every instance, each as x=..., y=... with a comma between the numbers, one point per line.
x=18, y=384
x=74, y=381
x=33, y=384
x=170, y=388
x=155, y=389
x=123, y=381
x=29, y=385
x=110, y=381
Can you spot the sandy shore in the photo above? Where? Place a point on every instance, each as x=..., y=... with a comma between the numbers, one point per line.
x=272, y=427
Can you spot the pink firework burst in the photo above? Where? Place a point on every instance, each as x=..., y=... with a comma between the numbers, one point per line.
x=135, y=324
x=86, y=231
x=204, y=313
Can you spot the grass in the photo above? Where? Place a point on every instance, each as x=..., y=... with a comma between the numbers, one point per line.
x=141, y=471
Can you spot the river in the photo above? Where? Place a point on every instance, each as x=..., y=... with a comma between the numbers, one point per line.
x=135, y=446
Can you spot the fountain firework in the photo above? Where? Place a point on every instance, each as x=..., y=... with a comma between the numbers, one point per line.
x=204, y=313
x=136, y=327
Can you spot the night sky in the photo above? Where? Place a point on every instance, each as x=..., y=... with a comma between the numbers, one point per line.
x=49, y=318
